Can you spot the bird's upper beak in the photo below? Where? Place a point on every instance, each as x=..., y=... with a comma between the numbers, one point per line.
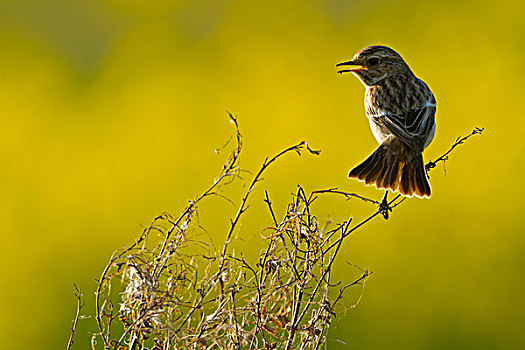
x=355, y=66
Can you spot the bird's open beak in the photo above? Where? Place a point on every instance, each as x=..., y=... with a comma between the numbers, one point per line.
x=354, y=66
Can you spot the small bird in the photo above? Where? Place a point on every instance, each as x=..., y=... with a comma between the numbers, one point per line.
x=400, y=108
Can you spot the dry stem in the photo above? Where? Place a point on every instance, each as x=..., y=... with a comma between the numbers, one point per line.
x=180, y=291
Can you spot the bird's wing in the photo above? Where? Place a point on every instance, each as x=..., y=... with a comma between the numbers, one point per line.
x=413, y=127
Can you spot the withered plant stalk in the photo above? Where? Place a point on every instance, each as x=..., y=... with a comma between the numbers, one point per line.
x=172, y=289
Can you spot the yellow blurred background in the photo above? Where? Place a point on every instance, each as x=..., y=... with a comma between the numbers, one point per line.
x=111, y=111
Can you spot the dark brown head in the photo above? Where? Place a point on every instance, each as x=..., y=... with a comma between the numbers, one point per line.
x=374, y=63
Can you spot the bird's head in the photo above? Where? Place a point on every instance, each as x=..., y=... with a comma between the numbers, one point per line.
x=374, y=63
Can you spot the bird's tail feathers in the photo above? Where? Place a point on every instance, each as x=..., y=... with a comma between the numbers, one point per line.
x=394, y=166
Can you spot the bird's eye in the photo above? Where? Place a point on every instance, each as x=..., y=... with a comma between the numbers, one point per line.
x=373, y=61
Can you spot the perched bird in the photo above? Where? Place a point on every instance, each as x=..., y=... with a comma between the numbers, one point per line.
x=400, y=108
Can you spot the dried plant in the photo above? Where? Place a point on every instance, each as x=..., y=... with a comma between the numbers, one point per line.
x=172, y=289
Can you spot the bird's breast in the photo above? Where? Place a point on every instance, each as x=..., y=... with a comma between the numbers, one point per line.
x=379, y=131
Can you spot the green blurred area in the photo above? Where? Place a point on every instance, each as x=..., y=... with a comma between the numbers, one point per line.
x=111, y=112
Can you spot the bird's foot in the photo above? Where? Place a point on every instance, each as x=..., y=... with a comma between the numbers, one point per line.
x=383, y=206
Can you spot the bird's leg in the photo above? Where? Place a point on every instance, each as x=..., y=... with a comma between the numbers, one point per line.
x=383, y=206
x=385, y=197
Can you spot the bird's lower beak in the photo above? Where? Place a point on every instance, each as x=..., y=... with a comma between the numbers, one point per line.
x=354, y=66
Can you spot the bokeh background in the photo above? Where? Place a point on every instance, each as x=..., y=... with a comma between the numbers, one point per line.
x=111, y=111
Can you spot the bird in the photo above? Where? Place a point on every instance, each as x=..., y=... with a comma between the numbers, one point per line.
x=401, y=111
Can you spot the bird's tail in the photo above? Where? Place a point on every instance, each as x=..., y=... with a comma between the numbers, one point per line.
x=394, y=166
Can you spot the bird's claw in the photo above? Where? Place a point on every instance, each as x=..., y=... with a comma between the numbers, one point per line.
x=384, y=208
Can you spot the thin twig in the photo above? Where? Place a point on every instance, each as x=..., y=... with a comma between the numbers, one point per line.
x=348, y=195
x=74, y=323
x=457, y=142
x=242, y=207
